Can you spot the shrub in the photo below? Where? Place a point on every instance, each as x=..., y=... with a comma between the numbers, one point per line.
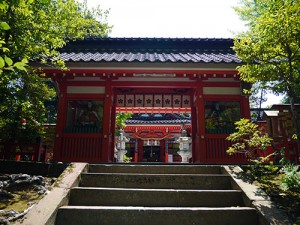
x=291, y=177
x=248, y=140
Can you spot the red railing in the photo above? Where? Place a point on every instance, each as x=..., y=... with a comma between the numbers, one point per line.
x=80, y=148
x=215, y=152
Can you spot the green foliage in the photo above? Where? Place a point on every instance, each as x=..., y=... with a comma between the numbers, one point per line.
x=40, y=28
x=270, y=48
x=22, y=97
x=291, y=177
x=271, y=168
x=120, y=120
x=35, y=30
x=127, y=159
x=6, y=63
x=248, y=140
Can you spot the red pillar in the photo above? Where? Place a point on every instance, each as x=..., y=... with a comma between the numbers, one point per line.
x=113, y=136
x=246, y=107
x=140, y=146
x=61, y=118
x=200, y=135
x=136, y=150
x=107, y=137
x=195, y=136
x=166, y=151
x=162, y=151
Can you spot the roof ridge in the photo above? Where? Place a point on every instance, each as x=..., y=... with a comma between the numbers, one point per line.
x=157, y=38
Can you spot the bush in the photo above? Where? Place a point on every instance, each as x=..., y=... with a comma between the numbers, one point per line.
x=291, y=177
x=248, y=139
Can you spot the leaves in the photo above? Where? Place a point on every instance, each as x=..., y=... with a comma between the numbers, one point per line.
x=121, y=118
x=8, y=61
x=291, y=177
x=2, y=62
x=36, y=30
x=20, y=65
x=270, y=48
x=4, y=26
x=247, y=139
x=45, y=26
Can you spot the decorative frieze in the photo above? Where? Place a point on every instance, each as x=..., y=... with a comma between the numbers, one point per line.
x=153, y=100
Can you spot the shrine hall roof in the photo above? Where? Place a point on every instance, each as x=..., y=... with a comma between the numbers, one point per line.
x=168, y=118
x=183, y=50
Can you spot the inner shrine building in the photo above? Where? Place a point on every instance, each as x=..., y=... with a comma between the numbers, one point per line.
x=168, y=84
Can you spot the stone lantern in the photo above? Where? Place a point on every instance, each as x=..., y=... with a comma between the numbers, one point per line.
x=184, y=147
x=121, y=151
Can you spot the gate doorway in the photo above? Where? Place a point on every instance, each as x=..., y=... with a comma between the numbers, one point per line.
x=158, y=117
x=147, y=76
x=151, y=154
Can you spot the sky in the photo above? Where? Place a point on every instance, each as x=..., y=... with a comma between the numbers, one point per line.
x=175, y=19
x=171, y=18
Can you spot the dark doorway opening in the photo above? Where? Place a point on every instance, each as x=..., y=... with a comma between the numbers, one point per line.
x=151, y=154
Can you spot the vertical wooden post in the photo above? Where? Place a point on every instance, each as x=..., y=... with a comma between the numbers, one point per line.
x=140, y=155
x=60, y=124
x=113, y=132
x=161, y=151
x=136, y=150
x=195, y=136
x=166, y=151
x=245, y=107
x=106, y=131
x=200, y=149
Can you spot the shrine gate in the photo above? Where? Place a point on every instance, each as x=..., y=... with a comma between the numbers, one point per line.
x=150, y=76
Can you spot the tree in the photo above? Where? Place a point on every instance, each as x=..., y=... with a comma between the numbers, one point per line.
x=34, y=31
x=270, y=49
x=257, y=98
x=120, y=121
x=258, y=95
x=249, y=140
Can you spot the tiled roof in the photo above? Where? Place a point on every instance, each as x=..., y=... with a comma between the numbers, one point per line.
x=183, y=50
x=163, y=119
x=161, y=122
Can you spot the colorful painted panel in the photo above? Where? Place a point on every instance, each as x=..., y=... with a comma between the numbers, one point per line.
x=186, y=101
x=167, y=100
x=220, y=116
x=120, y=101
x=176, y=100
x=130, y=100
x=84, y=116
x=139, y=100
x=158, y=101
x=148, y=100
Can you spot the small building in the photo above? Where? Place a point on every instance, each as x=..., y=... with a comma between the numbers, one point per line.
x=154, y=76
x=154, y=137
x=279, y=124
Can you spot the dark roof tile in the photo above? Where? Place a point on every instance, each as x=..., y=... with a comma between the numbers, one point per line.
x=183, y=50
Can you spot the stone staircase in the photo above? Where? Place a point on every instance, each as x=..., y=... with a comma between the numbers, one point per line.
x=155, y=194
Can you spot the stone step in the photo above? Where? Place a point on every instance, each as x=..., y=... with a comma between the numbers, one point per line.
x=155, y=197
x=157, y=181
x=154, y=169
x=105, y=215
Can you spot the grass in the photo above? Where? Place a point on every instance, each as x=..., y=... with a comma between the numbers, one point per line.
x=21, y=201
